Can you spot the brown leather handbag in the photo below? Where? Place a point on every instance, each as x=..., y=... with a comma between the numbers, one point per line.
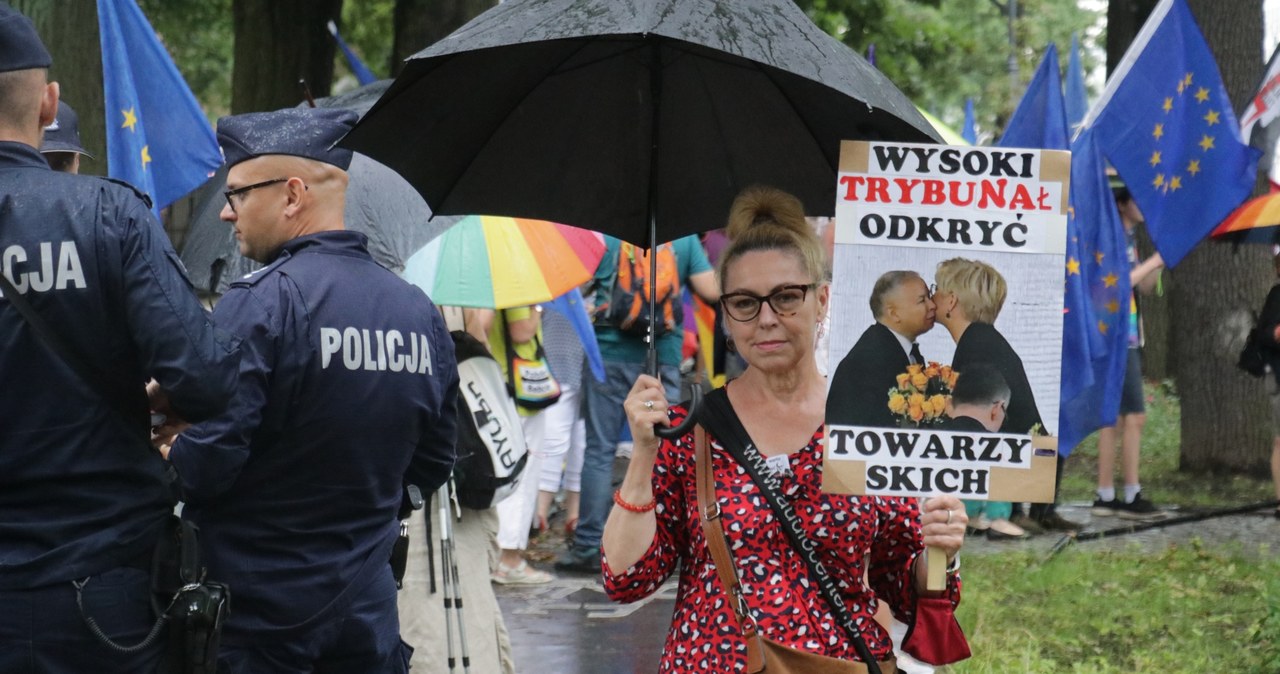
x=763, y=655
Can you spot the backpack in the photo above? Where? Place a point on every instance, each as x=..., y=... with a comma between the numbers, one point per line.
x=627, y=307
x=491, y=448
x=1253, y=357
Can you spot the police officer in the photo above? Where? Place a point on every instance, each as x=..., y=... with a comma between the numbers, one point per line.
x=83, y=497
x=347, y=392
x=61, y=146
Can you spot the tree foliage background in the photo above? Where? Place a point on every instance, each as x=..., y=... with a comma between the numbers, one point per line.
x=939, y=52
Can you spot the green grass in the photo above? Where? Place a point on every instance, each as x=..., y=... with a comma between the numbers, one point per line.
x=1186, y=609
x=1158, y=469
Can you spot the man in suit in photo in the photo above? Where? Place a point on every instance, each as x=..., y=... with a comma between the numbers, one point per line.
x=904, y=310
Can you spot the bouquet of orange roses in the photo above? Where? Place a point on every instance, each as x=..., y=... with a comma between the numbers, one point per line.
x=921, y=395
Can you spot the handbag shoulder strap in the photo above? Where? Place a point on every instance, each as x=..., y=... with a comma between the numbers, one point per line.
x=709, y=514
x=718, y=414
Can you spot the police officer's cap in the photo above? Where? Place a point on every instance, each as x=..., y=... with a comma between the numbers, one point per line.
x=20, y=45
x=63, y=135
x=301, y=132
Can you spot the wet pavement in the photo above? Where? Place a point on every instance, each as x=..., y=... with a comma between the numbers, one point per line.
x=569, y=626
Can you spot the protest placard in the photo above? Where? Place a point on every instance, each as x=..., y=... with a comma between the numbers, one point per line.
x=948, y=259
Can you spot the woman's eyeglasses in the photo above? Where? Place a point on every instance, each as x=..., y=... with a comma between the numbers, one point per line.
x=784, y=301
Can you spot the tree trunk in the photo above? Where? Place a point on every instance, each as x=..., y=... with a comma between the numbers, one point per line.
x=278, y=43
x=1225, y=415
x=421, y=23
x=69, y=31
x=1124, y=20
x=1156, y=317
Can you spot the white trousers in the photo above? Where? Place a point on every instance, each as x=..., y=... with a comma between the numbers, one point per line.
x=564, y=440
x=515, y=513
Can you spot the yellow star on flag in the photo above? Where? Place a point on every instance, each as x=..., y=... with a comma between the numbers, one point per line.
x=1174, y=183
x=1186, y=81
x=1073, y=266
x=1110, y=280
x=1098, y=256
x=1182, y=86
x=1113, y=307
x=1168, y=104
x=1194, y=167
x=1206, y=142
x=1202, y=94
x=1102, y=327
x=146, y=155
x=1212, y=117
x=1159, y=132
x=1155, y=158
x=1159, y=180
x=130, y=120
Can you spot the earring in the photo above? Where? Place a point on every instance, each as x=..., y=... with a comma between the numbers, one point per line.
x=948, y=314
x=821, y=329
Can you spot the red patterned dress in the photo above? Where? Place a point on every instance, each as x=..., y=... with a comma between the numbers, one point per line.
x=855, y=535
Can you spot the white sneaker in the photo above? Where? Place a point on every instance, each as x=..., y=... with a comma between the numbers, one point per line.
x=523, y=574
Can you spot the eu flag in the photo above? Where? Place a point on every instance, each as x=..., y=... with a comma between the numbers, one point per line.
x=358, y=68
x=1040, y=121
x=970, y=131
x=1077, y=96
x=1167, y=126
x=158, y=139
x=1096, y=324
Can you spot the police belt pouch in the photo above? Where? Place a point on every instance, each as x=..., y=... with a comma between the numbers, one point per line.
x=190, y=609
x=763, y=654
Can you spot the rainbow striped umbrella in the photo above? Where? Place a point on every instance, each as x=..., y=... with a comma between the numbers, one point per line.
x=499, y=262
x=1253, y=222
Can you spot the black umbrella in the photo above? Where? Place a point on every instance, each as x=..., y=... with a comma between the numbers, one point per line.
x=638, y=118
x=379, y=203
x=615, y=114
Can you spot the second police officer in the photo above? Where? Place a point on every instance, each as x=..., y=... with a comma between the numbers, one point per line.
x=346, y=394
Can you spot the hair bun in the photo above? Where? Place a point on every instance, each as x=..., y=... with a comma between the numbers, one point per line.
x=765, y=206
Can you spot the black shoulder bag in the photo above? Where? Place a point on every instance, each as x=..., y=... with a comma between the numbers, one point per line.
x=197, y=607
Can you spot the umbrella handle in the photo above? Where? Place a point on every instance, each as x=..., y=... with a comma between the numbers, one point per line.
x=672, y=432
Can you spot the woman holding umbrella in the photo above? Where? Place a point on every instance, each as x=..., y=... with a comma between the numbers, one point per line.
x=776, y=292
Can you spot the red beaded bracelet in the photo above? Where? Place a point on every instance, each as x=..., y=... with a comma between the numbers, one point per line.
x=630, y=507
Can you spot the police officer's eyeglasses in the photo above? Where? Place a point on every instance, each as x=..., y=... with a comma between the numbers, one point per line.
x=236, y=196
x=785, y=301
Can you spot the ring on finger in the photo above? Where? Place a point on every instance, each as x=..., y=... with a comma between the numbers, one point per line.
x=648, y=405
x=949, y=513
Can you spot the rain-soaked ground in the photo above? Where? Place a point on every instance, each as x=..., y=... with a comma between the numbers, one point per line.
x=570, y=627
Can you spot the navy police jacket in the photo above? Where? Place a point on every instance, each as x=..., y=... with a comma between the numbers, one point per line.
x=81, y=489
x=347, y=392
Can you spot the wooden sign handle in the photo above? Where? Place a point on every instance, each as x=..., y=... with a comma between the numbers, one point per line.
x=936, y=576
